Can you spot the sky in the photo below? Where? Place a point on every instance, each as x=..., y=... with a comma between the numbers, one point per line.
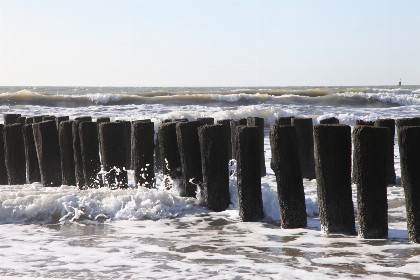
x=209, y=43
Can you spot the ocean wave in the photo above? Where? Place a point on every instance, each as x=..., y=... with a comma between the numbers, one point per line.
x=221, y=97
x=35, y=204
x=392, y=97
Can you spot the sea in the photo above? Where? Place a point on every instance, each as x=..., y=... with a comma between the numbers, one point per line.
x=67, y=233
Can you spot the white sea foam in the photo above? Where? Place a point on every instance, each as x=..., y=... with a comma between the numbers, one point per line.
x=409, y=98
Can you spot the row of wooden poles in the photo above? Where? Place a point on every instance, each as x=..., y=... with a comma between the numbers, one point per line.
x=56, y=151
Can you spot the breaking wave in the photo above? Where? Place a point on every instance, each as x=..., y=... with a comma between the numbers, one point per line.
x=82, y=97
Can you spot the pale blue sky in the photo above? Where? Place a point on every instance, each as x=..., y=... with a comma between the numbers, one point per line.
x=209, y=43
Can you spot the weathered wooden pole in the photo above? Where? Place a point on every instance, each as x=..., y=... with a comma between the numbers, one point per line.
x=89, y=147
x=142, y=121
x=29, y=120
x=48, y=151
x=226, y=123
x=33, y=173
x=354, y=170
x=390, y=124
x=78, y=163
x=127, y=125
x=233, y=125
x=214, y=163
x=67, y=153
x=179, y=120
x=3, y=170
x=21, y=120
x=171, y=162
x=362, y=122
x=190, y=157
x=331, y=120
x=132, y=145
x=286, y=165
x=49, y=118
x=112, y=137
x=249, y=173
x=304, y=131
x=333, y=177
x=60, y=119
x=84, y=119
x=370, y=146
x=103, y=119
x=407, y=122
x=142, y=141
x=14, y=154
x=409, y=144
x=10, y=118
x=284, y=120
x=208, y=121
x=37, y=119
x=259, y=122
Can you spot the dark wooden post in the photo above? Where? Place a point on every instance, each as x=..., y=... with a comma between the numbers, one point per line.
x=48, y=151
x=37, y=119
x=284, y=120
x=3, y=170
x=29, y=120
x=332, y=120
x=233, y=125
x=78, y=163
x=103, y=119
x=286, y=165
x=304, y=130
x=113, y=153
x=84, y=119
x=33, y=173
x=14, y=153
x=370, y=145
x=132, y=145
x=89, y=146
x=49, y=118
x=190, y=157
x=333, y=173
x=170, y=159
x=208, y=121
x=60, y=119
x=249, y=173
x=226, y=123
x=127, y=125
x=10, y=118
x=407, y=122
x=21, y=120
x=142, y=141
x=362, y=122
x=409, y=144
x=259, y=122
x=358, y=123
x=67, y=154
x=390, y=124
x=214, y=163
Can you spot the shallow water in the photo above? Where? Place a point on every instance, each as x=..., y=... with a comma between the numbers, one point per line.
x=198, y=243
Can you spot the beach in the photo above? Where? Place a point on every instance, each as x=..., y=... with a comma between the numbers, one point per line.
x=67, y=233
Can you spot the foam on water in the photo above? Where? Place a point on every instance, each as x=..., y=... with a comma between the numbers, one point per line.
x=194, y=243
x=34, y=204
